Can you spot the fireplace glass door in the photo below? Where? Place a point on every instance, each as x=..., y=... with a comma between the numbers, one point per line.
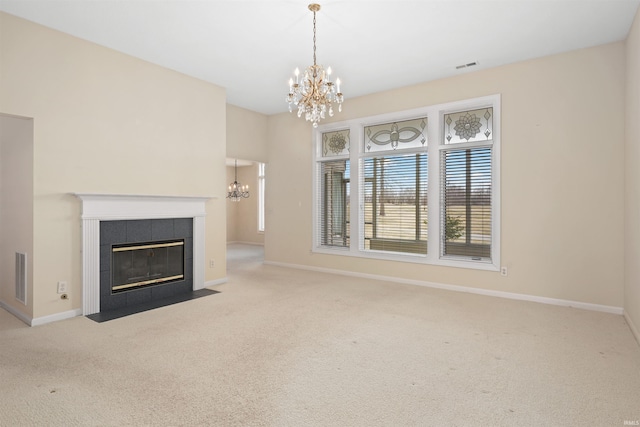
x=146, y=264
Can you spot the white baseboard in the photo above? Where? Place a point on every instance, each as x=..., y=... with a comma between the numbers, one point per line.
x=216, y=282
x=55, y=317
x=632, y=326
x=479, y=291
x=36, y=321
x=20, y=315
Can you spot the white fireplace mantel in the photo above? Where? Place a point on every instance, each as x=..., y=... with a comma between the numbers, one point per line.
x=113, y=207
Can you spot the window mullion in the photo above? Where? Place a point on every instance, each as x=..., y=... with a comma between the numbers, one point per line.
x=356, y=197
x=433, y=190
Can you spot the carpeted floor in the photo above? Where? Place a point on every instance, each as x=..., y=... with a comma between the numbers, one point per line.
x=282, y=347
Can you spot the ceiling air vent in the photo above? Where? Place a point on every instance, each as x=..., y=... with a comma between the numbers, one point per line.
x=470, y=64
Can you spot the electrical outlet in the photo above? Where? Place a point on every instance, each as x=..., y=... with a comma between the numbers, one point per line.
x=503, y=271
x=212, y=264
x=62, y=287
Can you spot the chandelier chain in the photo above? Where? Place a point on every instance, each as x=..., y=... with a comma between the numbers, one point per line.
x=314, y=37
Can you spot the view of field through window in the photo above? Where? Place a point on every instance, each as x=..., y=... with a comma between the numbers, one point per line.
x=395, y=203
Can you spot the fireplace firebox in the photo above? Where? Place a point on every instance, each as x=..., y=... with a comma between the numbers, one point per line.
x=145, y=264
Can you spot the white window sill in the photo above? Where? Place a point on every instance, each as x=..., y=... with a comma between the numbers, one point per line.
x=484, y=265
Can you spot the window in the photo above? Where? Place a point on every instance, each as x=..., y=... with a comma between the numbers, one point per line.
x=334, y=180
x=335, y=190
x=410, y=175
x=466, y=184
x=261, y=170
x=394, y=185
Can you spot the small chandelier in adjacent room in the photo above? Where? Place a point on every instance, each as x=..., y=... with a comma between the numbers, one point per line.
x=316, y=93
x=237, y=191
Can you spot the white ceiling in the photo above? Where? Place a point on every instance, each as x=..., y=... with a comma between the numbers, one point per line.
x=252, y=47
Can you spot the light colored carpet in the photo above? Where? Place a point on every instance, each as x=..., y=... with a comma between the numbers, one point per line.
x=281, y=347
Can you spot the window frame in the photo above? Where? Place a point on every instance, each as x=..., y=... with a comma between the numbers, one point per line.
x=383, y=154
x=261, y=191
x=435, y=146
x=342, y=193
x=318, y=205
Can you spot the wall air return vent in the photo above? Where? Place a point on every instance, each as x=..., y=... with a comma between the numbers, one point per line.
x=21, y=277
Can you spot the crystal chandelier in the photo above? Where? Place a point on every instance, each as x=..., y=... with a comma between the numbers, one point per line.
x=315, y=95
x=237, y=191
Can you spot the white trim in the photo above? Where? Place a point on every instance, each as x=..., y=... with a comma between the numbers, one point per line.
x=261, y=193
x=198, y=251
x=37, y=321
x=128, y=206
x=406, y=257
x=20, y=315
x=632, y=326
x=457, y=288
x=105, y=207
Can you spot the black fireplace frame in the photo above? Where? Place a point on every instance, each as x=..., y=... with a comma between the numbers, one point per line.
x=138, y=231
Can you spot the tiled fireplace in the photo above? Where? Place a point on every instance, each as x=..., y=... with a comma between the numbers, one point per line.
x=154, y=226
x=144, y=261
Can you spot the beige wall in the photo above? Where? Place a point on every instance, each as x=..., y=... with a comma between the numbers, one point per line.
x=248, y=212
x=632, y=180
x=246, y=134
x=562, y=178
x=105, y=122
x=16, y=208
x=242, y=217
x=232, y=210
x=246, y=140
